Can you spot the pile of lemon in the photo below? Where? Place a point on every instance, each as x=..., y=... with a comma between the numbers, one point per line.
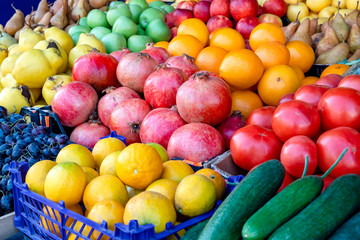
x=116, y=184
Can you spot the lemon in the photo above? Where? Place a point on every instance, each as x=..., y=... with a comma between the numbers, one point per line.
x=132, y=191
x=35, y=177
x=108, y=166
x=165, y=187
x=78, y=154
x=90, y=174
x=104, y=147
x=176, y=170
x=216, y=178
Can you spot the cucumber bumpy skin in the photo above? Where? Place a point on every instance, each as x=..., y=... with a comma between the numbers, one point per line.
x=349, y=230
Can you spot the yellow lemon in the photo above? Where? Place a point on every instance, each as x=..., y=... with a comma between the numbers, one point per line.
x=166, y=187
x=176, y=170
x=76, y=153
x=108, y=166
x=216, y=178
x=104, y=147
x=35, y=177
x=90, y=174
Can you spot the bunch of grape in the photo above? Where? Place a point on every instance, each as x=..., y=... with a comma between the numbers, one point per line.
x=22, y=141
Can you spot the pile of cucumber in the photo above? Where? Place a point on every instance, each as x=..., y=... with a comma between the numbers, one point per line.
x=300, y=211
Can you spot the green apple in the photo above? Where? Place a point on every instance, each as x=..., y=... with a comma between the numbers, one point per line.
x=161, y=150
x=140, y=31
x=100, y=32
x=97, y=18
x=83, y=21
x=158, y=30
x=114, y=13
x=141, y=3
x=75, y=37
x=125, y=26
x=79, y=28
x=136, y=43
x=149, y=14
x=168, y=8
x=115, y=4
x=156, y=4
x=161, y=10
x=136, y=11
x=114, y=41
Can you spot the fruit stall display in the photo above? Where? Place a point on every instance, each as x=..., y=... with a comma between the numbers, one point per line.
x=183, y=83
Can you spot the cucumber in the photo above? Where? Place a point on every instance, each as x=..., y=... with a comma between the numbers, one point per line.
x=282, y=207
x=195, y=231
x=323, y=215
x=249, y=195
x=349, y=230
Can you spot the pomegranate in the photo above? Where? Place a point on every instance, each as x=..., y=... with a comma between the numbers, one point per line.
x=112, y=98
x=127, y=117
x=188, y=5
x=134, y=68
x=74, y=103
x=89, y=133
x=204, y=99
x=119, y=54
x=97, y=69
x=161, y=86
x=159, y=125
x=230, y=125
x=196, y=142
x=185, y=63
x=158, y=53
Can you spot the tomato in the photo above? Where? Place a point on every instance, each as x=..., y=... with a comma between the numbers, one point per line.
x=330, y=145
x=293, y=155
x=311, y=93
x=287, y=180
x=351, y=81
x=261, y=116
x=327, y=180
x=286, y=98
x=295, y=118
x=253, y=145
x=330, y=80
x=340, y=107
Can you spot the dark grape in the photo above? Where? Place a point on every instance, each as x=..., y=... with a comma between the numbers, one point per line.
x=28, y=139
x=61, y=138
x=50, y=141
x=4, y=147
x=35, y=132
x=33, y=149
x=46, y=152
x=54, y=151
x=9, y=139
x=9, y=185
x=39, y=140
x=6, y=129
x=16, y=153
x=32, y=161
x=7, y=160
x=9, y=152
x=5, y=168
x=21, y=143
x=3, y=112
x=3, y=183
x=5, y=203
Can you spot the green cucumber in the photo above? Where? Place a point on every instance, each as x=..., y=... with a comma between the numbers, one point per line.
x=323, y=215
x=194, y=232
x=249, y=195
x=349, y=230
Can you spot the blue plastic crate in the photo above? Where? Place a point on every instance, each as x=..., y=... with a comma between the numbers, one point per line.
x=29, y=209
x=114, y=135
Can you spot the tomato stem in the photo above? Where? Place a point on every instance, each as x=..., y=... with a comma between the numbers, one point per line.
x=335, y=163
x=306, y=165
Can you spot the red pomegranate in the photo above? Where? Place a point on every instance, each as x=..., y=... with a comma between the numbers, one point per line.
x=185, y=63
x=127, y=117
x=204, y=99
x=161, y=86
x=119, y=54
x=89, y=133
x=158, y=53
x=230, y=125
x=112, y=98
x=159, y=125
x=134, y=68
x=196, y=142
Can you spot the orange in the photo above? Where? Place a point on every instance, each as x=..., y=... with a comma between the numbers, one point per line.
x=266, y=32
x=105, y=187
x=210, y=58
x=273, y=53
x=309, y=80
x=104, y=147
x=138, y=165
x=65, y=181
x=245, y=101
x=185, y=44
x=301, y=55
x=299, y=72
x=335, y=69
x=217, y=180
x=78, y=154
x=241, y=68
x=196, y=28
x=166, y=187
x=176, y=170
x=276, y=82
x=162, y=44
x=35, y=177
x=90, y=174
x=228, y=39
x=150, y=207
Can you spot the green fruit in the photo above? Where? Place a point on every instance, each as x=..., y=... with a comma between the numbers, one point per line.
x=161, y=151
x=115, y=4
x=162, y=10
x=158, y=30
x=114, y=13
x=83, y=21
x=79, y=28
x=136, y=43
x=136, y=11
x=100, y=32
x=149, y=14
x=125, y=26
x=141, y=3
x=140, y=31
x=114, y=41
x=75, y=37
x=97, y=18
x=154, y=4
x=168, y=8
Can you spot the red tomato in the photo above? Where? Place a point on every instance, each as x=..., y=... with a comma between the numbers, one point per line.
x=327, y=180
x=330, y=145
x=295, y=118
x=261, y=116
x=253, y=145
x=286, y=98
x=340, y=107
x=311, y=93
x=351, y=81
x=330, y=80
x=293, y=155
x=287, y=180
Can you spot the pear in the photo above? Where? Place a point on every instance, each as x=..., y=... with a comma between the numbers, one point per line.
x=15, y=23
x=42, y=9
x=334, y=55
x=78, y=11
x=316, y=39
x=45, y=20
x=327, y=42
x=355, y=56
x=341, y=28
x=352, y=17
x=354, y=38
x=290, y=29
x=313, y=26
x=303, y=33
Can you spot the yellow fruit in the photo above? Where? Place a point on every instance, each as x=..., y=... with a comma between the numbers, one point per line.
x=85, y=232
x=43, y=44
x=66, y=181
x=317, y=5
x=35, y=177
x=166, y=187
x=110, y=211
x=90, y=174
x=327, y=12
x=51, y=84
x=228, y=39
x=104, y=147
x=309, y=80
x=314, y=15
x=150, y=207
x=108, y=166
x=8, y=64
x=245, y=101
x=303, y=18
x=105, y=187
x=78, y=154
x=77, y=52
x=335, y=3
x=216, y=178
x=176, y=170
x=28, y=39
x=60, y=36
x=196, y=28
x=91, y=40
x=132, y=191
x=12, y=99
x=15, y=49
x=352, y=4
x=161, y=151
x=8, y=81
x=195, y=195
x=345, y=12
x=3, y=52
